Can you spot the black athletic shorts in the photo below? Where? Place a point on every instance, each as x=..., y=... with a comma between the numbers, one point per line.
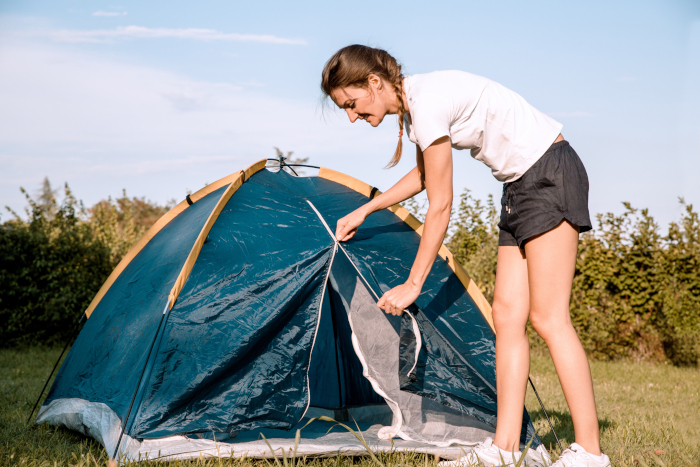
x=554, y=189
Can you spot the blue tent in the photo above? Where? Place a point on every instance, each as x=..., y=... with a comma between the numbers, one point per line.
x=239, y=314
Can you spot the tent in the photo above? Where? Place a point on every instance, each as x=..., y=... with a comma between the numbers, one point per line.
x=239, y=315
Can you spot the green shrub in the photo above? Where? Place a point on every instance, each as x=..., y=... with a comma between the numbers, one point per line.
x=679, y=321
x=53, y=263
x=51, y=267
x=616, y=296
x=474, y=241
x=120, y=223
x=636, y=292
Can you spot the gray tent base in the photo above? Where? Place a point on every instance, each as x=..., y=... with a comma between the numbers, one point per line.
x=100, y=422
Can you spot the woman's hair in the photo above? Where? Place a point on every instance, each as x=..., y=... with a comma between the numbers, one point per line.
x=352, y=65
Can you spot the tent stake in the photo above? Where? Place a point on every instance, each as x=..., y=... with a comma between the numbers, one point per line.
x=138, y=385
x=70, y=339
x=545, y=414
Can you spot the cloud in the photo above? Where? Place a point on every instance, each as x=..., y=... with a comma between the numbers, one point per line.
x=576, y=113
x=104, y=125
x=140, y=32
x=145, y=167
x=252, y=83
x=86, y=103
x=110, y=13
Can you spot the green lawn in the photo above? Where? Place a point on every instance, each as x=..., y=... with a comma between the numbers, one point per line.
x=649, y=415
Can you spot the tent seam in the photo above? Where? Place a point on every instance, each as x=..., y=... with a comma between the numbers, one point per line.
x=160, y=225
x=208, y=225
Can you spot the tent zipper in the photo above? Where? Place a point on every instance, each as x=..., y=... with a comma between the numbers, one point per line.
x=318, y=323
x=416, y=328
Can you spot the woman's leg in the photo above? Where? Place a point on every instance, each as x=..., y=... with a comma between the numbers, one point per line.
x=510, y=311
x=551, y=261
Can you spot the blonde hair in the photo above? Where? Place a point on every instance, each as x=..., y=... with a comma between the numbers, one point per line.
x=352, y=65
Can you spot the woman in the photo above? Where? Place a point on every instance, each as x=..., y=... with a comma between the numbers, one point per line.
x=544, y=207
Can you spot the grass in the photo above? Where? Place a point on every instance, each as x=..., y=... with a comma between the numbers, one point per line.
x=649, y=416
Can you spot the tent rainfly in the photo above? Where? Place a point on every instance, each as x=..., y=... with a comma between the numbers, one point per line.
x=239, y=315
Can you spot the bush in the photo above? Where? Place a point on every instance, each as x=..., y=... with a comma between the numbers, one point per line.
x=474, y=240
x=680, y=313
x=53, y=264
x=616, y=296
x=51, y=267
x=636, y=293
x=120, y=223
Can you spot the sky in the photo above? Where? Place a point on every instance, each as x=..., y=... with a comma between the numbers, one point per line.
x=160, y=98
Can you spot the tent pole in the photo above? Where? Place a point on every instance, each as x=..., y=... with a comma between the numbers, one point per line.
x=290, y=168
x=138, y=385
x=284, y=164
x=70, y=339
x=545, y=414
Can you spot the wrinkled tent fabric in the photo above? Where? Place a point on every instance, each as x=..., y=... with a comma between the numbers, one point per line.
x=240, y=314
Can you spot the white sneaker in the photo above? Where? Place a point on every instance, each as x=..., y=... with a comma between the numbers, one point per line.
x=490, y=455
x=576, y=456
x=538, y=457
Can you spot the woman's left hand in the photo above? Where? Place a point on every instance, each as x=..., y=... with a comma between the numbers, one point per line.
x=396, y=300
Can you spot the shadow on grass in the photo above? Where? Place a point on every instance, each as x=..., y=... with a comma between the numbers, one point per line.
x=563, y=426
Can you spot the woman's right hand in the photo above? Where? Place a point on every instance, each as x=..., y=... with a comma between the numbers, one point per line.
x=346, y=228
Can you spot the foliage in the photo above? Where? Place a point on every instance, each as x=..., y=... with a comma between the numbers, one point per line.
x=50, y=267
x=644, y=410
x=474, y=242
x=53, y=263
x=416, y=208
x=120, y=223
x=636, y=292
x=680, y=313
x=616, y=291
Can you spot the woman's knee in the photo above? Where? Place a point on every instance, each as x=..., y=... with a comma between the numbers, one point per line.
x=550, y=326
x=509, y=318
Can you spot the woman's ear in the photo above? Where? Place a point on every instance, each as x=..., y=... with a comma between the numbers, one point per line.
x=374, y=81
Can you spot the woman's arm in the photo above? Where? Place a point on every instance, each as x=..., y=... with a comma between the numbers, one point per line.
x=411, y=184
x=437, y=170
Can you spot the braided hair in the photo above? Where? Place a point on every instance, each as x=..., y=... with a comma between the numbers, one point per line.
x=352, y=65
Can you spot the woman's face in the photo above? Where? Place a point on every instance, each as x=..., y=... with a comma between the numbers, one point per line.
x=370, y=104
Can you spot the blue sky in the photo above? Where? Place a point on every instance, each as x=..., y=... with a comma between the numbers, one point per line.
x=159, y=98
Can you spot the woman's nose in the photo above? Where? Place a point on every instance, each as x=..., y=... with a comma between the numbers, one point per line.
x=352, y=115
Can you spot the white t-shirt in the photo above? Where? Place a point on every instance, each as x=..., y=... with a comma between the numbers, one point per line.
x=499, y=127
